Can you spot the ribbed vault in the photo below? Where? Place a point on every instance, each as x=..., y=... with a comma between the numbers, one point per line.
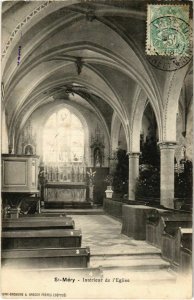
x=56, y=37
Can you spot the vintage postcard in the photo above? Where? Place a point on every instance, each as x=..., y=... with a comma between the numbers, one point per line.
x=96, y=149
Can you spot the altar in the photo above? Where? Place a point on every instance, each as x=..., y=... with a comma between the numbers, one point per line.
x=65, y=192
x=64, y=184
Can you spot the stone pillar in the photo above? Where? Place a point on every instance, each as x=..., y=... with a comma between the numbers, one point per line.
x=133, y=173
x=167, y=174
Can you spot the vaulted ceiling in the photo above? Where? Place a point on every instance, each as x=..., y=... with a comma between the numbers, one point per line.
x=87, y=52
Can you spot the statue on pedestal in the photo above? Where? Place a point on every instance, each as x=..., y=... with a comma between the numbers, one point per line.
x=97, y=158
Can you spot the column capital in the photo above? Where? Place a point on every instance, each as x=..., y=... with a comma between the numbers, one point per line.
x=133, y=154
x=167, y=145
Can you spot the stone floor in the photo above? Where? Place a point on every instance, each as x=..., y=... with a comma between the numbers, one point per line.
x=120, y=268
x=103, y=235
x=112, y=250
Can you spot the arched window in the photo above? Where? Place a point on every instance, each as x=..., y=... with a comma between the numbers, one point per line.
x=63, y=138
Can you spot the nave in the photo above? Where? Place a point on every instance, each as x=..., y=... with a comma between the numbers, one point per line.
x=97, y=149
x=114, y=258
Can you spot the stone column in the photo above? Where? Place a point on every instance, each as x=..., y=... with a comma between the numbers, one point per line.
x=167, y=174
x=133, y=173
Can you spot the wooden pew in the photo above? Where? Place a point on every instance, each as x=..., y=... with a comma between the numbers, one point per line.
x=53, y=238
x=155, y=226
x=45, y=215
x=46, y=258
x=156, y=222
x=185, y=236
x=171, y=240
x=37, y=223
x=43, y=218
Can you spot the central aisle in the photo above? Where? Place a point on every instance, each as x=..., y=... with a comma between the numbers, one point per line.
x=119, y=255
x=103, y=235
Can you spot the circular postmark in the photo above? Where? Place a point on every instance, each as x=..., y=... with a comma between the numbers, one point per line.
x=170, y=45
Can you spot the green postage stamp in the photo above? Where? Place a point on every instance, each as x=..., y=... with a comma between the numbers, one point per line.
x=168, y=30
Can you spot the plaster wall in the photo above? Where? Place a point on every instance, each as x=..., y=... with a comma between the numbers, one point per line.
x=122, y=139
x=39, y=117
x=186, y=141
x=124, y=86
x=145, y=126
x=4, y=133
x=14, y=15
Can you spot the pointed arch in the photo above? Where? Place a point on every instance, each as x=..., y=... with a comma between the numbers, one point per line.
x=136, y=122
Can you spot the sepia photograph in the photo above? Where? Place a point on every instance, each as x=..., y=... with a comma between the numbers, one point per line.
x=96, y=149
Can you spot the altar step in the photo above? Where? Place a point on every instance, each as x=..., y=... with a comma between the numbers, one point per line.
x=129, y=271
x=114, y=275
x=74, y=211
x=66, y=205
x=129, y=262
x=138, y=268
x=140, y=276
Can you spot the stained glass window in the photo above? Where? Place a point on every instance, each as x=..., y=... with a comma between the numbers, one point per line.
x=63, y=138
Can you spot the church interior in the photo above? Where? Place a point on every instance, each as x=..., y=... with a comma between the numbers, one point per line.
x=96, y=146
